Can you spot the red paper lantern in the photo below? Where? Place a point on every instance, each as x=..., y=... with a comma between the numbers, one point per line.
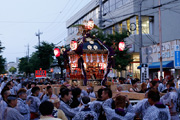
x=121, y=46
x=73, y=45
x=90, y=25
x=57, y=52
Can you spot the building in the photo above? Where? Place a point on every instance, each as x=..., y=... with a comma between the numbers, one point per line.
x=123, y=14
x=13, y=64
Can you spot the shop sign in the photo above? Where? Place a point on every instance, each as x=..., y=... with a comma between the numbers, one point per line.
x=177, y=57
x=144, y=72
x=40, y=73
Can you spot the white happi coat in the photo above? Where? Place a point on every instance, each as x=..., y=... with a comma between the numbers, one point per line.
x=155, y=113
x=23, y=108
x=96, y=107
x=85, y=114
x=141, y=107
x=167, y=98
x=68, y=111
x=112, y=115
x=12, y=114
x=3, y=106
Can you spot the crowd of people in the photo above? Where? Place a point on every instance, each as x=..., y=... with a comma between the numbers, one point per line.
x=22, y=100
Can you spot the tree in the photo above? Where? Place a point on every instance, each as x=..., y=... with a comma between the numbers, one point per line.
x=24, y=66
x=122, y=58
x=12, y=70
x=45, y=54
x=2, y=60
x=42, y=58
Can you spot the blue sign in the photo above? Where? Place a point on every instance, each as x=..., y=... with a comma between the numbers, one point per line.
x=177, y=59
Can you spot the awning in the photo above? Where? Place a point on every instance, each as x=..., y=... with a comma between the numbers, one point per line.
x=165, y=64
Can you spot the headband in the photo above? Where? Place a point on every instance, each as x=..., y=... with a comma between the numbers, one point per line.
x=11, y=98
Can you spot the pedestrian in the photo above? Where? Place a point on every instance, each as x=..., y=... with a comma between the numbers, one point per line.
x=3, y=103
x=157, y=111
x=65, y=101
x=46, y=109
x=134, y=87
x=10, y=112
x=85, y=113
x=108, y=101
x=143, y=88
x=49, y=94
x=57, y=113
x=96, y=105
x=171, y=99
x=121, y=111
x=76, y=92
x=35, y=102
x=22, y=104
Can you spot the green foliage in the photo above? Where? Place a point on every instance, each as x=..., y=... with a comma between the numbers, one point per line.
x=42, y=58
x=12, y=70
x=2, y=60
x=45, y=53
x=24, y=66
x=122, y=58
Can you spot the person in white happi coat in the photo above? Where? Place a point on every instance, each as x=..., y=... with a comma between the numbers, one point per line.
x=3, y=84
x=65, y=99
x=46, y=109
x=157, y=111
x=171, y=99
x=49, y=94
x=162, y=86
x=96, y=105
x=85, y=112
x=23, y=105
x=3, y=103
x=35, y=102
x=10, y=112
x=141, y=107
x=122, y=110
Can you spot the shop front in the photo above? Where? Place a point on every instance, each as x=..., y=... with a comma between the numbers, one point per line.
x=151, y=55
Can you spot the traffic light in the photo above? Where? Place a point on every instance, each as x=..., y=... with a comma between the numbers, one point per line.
x=57, y=52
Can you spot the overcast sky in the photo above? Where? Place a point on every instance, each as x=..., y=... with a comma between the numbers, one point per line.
x=21, y=19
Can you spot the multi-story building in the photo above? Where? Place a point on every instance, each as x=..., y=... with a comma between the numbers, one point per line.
x=123, y=14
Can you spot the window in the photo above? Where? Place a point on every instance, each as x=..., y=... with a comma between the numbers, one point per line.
x=137, y=25
x=145, y=25
x=128, y=24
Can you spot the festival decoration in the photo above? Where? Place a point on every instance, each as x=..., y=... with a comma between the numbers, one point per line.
x=57, y=52
x=121, y=46
x=73, y=45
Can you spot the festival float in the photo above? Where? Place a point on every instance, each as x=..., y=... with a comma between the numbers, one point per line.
x=88, y=59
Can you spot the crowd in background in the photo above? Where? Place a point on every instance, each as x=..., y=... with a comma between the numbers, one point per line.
x=21, y=99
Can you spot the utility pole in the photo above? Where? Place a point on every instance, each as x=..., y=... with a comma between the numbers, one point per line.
x=39, y=34
x=140, y=35
x=160, y=39
x=100, y=13
x=28, y=53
